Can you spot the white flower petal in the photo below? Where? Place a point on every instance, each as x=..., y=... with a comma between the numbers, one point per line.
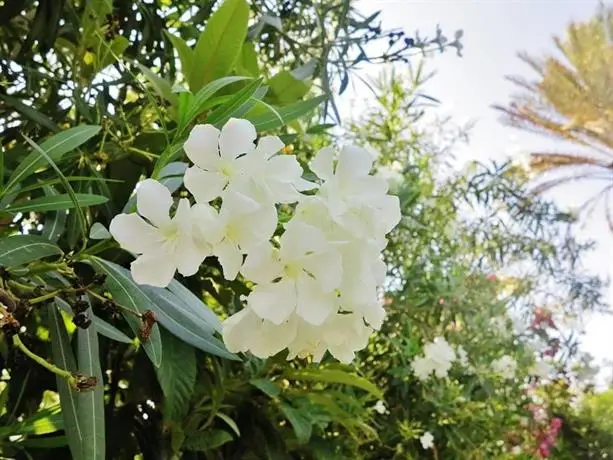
x=153, y=201
x=255, y=228
x=240, y=330
x=202, y=146
x=153, y=268
x=237, y=137
x=275, y=338
x=314, y=305
x=262, y=264
x=299, y=239
x=268, y=146
x=353, y=162
x=238, y=200
x=274, y=302
x=204, y=185
x=134, y=234
x=230, y=257
x=326, y=267
x=323, y=163
x=208, y=225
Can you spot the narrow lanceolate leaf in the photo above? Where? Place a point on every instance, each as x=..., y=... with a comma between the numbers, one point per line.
x=22, y=249
x=63, y=357
x=227, y=110
x=174, y=316
x=57, y=202
x=55, y=147
x=132, y=297
x=268, y=121
x=198, y=103
x=91, y=403
x=300, y=422
x=335, y=376
x=177, y=376
x=54, y=223
x=99, y=232
x=195, y=305
x=220, y=43
x=109, y=331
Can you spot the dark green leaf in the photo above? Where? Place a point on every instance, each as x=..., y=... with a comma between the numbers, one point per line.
x=45, y=443
x=301, y=424
x=54, y=223
x=63, y=357
x=177, y=376
x=109, y=331
x=57, y=202
x=55, y=147
x=21, y=249
x=131, y=296
x=207, y=440
x=91, y=403
x=195, y=305
x=219, y=45
x=29, y=112
x=266, y=386
x=174, y=316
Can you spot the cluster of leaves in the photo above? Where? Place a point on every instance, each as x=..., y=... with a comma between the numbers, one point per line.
x=96, y=367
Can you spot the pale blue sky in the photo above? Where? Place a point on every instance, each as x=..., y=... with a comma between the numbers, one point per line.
x=494, y=31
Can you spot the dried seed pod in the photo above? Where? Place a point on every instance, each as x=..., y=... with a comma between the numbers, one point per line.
x=82, y=320
x=148, y=321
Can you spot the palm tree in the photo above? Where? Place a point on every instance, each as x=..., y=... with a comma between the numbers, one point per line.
x=572, y=99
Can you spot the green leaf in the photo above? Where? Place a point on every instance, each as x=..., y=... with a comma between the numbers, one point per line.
x=266, y=386
x=109, y=331
x=207, y=440
x=287, y=88
x=231, y=423
x=80, y=216
x=99, y=232
x=21, y=249
x=55, y=147
x=91, y=403
x=219, y=45
x=186, y=55
x=247, y=62
x=177, y=376
x=54, y=223
x=301, y=424
x=45, y=443
x=195, y=305
x=161, y=86
x=197, y=105
x=131, y=296
x=57, y=203
x=223, y=113
x=174, y=316
x=335, y=376
x=168, y=155
x=288, y=113
x=63, y=357
x=112, y=52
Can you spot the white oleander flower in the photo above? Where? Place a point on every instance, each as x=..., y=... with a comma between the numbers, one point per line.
x=438, y=358
x=427, y=440
x=505, y=366
x=163, y=244
x=301, y=276
x=355, y=199
x=233, y=231
x=228, y=162
x=380, y=408
x=542, y=369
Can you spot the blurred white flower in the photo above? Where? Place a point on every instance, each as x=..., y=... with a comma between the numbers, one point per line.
x=438, y=358
x=505, y=366
x=380, y=407
x=427, y=440
x=541, y=369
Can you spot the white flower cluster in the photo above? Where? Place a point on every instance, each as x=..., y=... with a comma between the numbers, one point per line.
x=438, y=358
x=316, y=286
x=506, y=366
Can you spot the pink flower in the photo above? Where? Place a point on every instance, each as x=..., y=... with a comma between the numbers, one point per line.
x=556, y=424
x=492, y=277
x=544, y=449
x=441, y=301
